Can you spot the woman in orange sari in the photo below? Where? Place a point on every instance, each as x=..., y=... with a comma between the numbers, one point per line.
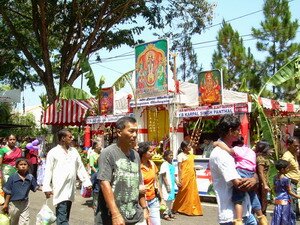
x=187, y=200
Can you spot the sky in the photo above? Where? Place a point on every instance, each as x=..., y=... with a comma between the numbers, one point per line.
x=242, y=15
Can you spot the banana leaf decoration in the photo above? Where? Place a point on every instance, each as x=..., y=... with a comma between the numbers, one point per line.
x=290, y=71
x=121, y=82
x=69, y=92
x=123, y=79
x=89, y=75
x=265, y=128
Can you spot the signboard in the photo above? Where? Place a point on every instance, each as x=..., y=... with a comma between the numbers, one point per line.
x=106, y=101
x=151, y=101
x=104, y=119
x=210, y=87
x=151, y=66
x=212, y=110
x=10, y=96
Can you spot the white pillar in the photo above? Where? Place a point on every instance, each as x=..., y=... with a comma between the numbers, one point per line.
x=141, y=118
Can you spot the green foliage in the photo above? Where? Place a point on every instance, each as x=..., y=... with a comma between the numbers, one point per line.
x=236, y=63
x=265, y=130
x=17, y=118
x=69, y=92
x=209, y=126
x=44, y=101
x=290, y=72
x=48, y=42
x=123, y=80
x=275, y=37
x=182, y=19
x=5, y=112
x=189, y=68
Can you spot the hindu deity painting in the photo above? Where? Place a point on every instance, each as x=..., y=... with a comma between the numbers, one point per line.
x=210, y=87
x=106, y=101
x=151, y=69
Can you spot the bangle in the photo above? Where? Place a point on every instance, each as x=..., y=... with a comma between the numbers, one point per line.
x=116, y=216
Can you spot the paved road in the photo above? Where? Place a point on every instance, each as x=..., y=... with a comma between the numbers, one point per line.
x=82, y=213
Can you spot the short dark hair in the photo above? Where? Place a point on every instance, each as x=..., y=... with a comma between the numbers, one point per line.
x=290, y=140
x=226, y=123
x=238, y=142
x=167, y=153
x=95, y=144
x=281, y=164
x=18, y=160
x=262, y=147
x=62, y=133
x=143, y=148
x=121, y=123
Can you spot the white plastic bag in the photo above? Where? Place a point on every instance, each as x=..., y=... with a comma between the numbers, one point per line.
x=45, y=216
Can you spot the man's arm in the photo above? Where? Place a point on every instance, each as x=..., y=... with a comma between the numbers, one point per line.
x=245, y=184
x=109, y=198
x=81, y=172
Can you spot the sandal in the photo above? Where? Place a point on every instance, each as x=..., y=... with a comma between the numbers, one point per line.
x=172, y=216
x=166, y=217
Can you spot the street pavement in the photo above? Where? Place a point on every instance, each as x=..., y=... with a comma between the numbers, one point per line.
x=82, y=213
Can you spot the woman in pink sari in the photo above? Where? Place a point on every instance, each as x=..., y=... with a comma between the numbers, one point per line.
x=8, y=156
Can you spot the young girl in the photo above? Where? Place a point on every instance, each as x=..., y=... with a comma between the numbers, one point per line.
x=245, y=159
x=167, y=181
x=283, y=213
x=16, y=191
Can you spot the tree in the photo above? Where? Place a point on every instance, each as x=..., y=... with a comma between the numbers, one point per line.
x=237, y=63
x=51, y=39
x=275, y=37
x=189, y=67
x=5, y=107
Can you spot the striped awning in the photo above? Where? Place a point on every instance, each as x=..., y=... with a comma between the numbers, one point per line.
x=67, y=112
x=278, y=105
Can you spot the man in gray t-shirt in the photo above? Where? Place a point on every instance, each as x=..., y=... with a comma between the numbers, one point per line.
x=119, y=175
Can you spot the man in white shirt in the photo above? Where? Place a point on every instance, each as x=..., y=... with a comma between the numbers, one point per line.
x=63, y=164
x=224, y=175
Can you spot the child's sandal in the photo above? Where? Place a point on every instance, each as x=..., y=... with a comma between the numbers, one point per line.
x=172, y=216
x=166, y=217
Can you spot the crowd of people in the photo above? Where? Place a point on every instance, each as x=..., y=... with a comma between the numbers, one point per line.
x=237, y=171
x=129, y=188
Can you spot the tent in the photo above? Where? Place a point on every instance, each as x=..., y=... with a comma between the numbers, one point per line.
x=67, y=112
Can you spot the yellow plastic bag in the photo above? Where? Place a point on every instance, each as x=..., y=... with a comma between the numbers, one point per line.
x=4, y=219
